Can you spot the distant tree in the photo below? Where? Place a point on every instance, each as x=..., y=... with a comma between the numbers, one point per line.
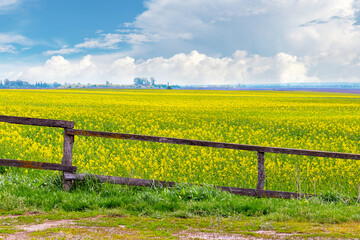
x=137, y=81
x=56, y=84
x=141, y=81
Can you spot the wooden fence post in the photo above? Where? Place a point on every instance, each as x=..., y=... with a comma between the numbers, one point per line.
x=261, y=171
x=67, y=157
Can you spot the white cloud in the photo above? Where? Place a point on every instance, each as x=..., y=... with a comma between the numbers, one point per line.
x=279, y=41
x=14, y=38
x=321, y=33
x=105, y=41
x=188, y=20
x=289, y=69
x=62, y=51
x=8, y=40
x=58, y=69
x=7, y=49
x=183, y=69
x=265, y=27
x=4, y=4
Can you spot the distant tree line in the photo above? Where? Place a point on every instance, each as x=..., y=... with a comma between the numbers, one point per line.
x=146, y=83
x=139, y=82
x=23, y=84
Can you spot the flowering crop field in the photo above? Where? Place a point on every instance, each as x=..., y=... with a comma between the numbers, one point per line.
x=304, y=120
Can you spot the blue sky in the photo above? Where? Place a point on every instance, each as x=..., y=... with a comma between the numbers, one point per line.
x=50, y=25
x=182, y=42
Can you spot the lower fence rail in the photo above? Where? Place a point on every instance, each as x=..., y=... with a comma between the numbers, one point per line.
x=149, y=183
x=37, y=165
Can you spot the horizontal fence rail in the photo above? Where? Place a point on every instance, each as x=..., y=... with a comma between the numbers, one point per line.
x=70, y=175
x=150, y=183
x=37, y=122
x=213, y=144
x=36, y=165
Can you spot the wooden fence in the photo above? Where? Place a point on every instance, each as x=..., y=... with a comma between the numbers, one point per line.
x=69, y=171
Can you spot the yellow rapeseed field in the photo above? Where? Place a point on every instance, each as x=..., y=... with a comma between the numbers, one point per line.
x=304, y=120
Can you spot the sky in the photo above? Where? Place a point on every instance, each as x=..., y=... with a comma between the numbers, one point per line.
x=184, y=42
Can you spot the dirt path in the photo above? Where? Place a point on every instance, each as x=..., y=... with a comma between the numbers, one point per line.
x=42, y=226
x=61, y=229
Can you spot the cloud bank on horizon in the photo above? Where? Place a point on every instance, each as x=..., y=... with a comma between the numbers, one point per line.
x=204, y=42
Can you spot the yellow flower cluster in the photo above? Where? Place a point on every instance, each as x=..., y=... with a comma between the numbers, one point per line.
x=304, y=120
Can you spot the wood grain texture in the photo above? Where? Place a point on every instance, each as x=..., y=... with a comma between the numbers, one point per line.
x=235, y=146
x=36, y=165
x=68, y=149
x=37, y=122
x=67, y=157
x=261, y=171
x=118, y=180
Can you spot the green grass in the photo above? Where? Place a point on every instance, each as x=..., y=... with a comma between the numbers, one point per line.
x=113, y=211
x=21, y=193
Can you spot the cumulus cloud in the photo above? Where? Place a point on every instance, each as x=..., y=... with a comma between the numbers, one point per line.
x=322, y=35
x=58, y=69
x=193, y=68
x=236, y=41
x=265, y=27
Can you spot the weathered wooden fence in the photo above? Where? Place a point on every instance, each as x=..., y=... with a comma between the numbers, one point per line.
x=69, y=171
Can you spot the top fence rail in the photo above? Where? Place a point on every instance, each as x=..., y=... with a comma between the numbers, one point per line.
x=37, y=122
x=199, y=143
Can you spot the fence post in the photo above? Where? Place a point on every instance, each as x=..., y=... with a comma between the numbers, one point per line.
x=261, y=171
x=67, y=157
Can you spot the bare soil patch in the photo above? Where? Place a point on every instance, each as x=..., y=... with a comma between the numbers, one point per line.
x=45, y=225
x=229, y=236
